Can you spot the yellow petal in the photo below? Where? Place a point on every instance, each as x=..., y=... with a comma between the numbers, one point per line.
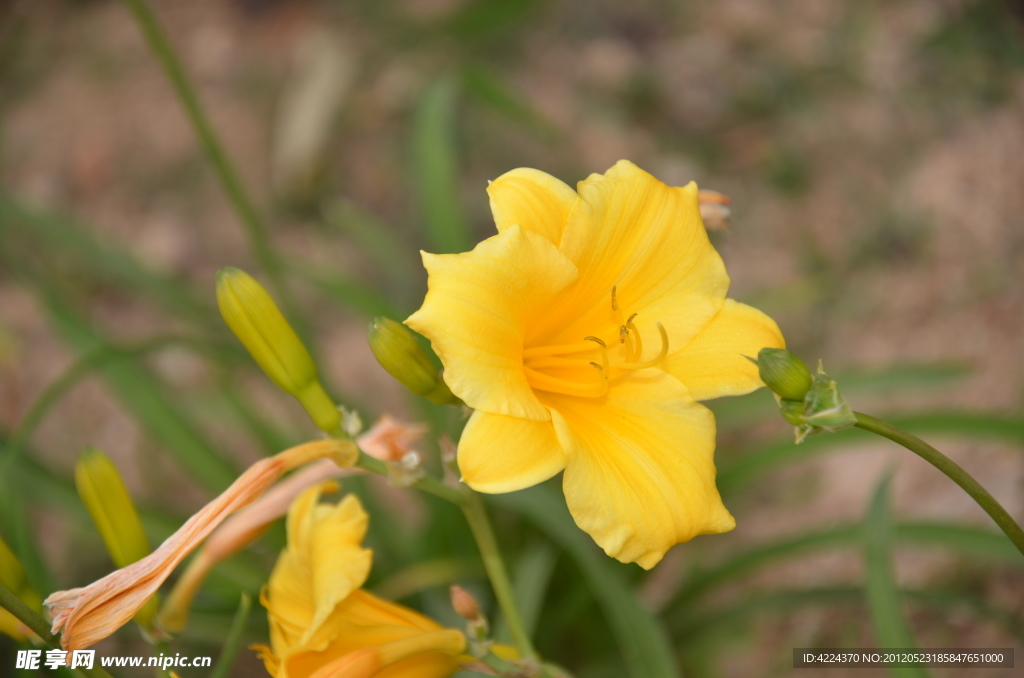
x=505, y=454
x=641, y=474
x=339, y=564
x=532, y=199
x=474, y=314
x=323, y=563
x=363, y=620
x=712, y=365
x=632, y=232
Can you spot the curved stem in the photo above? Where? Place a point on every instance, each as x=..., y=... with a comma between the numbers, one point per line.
x=480, y=525
x=951, y=469
x=38, y=625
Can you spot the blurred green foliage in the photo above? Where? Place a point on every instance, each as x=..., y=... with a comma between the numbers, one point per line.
x=585, y=610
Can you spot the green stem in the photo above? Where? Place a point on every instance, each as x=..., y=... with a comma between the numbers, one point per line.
x=164, y=649
x=227, y=655
x=226, y=173
x=480, y=525
x=476, y=515
x=427, y=484
x=38, y=625
x=951, y=469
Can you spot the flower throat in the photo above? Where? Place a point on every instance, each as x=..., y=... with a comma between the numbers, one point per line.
x=566, y=369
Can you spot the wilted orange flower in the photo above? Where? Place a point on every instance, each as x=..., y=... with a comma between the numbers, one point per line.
x=583, y=334
x=237, y=532
x=90, y=614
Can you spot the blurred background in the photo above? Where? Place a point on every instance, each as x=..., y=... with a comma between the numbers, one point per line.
x=874, y=154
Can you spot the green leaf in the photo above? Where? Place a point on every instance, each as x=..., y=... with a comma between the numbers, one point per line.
x=376, y=238
x=530, y=579
x=966, y=541
x=234, y=638
x=355, y=295
x=426, y=575
x=884, y=603
x=436, y=164
x=486, y=87
x=698, y=623
x=643, y=643
x=140, y=394
x=19, y=535
x=107, y=262
x=734, y=474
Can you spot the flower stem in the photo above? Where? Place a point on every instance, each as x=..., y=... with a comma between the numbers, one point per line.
x=225, y=171
x=428, y=484
x=951, y=469
x=164, y=648
x=480, y=525
x=38, y=625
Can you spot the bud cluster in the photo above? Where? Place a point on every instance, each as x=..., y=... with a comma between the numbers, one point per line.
x=811, y=404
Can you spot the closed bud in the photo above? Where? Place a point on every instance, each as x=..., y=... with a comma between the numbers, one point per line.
x=465, y=604
x=258, y=323
x=113, y=513
x=398, y=352
x=784, y=373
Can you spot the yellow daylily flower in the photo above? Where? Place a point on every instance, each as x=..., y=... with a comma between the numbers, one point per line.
x=322, y=625
x=583, y=334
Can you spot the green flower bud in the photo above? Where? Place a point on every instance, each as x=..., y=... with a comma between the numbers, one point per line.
x=258, y=323
x=784, y=373
x=398, y=352
x=110, y=506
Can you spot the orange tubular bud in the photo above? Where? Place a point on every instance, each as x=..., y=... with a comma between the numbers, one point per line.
x=90, y=614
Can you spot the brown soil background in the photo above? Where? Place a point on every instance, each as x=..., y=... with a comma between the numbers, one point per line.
x=874, y=153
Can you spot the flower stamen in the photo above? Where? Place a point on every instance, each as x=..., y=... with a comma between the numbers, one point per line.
x=536, y=359
x=653, y=362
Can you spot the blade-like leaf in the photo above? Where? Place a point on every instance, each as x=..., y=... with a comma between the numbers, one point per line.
x=965, y=541
x=643, y=642
x=530, y=580
x=437, y=172
x=884, y=602
x=234, y=638
x=139, y=392
x=104, y=260
x=735, y=474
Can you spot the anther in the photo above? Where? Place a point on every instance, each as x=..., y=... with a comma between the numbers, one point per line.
x=638, y=349
x=597, y=339
x=615, y=305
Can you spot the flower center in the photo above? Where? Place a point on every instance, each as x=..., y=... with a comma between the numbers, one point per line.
x=569, y=369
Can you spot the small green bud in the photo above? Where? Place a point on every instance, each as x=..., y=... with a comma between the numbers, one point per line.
x=792, y=411
x=398, y=352
x=112, y=511
x=258, y=323
x=784, y=373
